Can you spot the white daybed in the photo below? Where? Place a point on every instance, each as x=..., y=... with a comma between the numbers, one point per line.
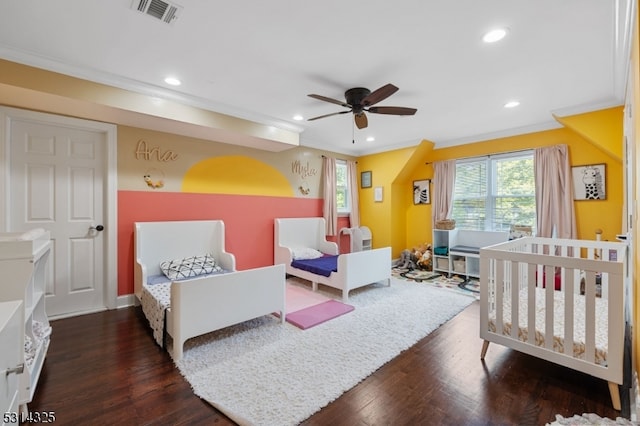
x=202, y=304
x=354, y=270
x=585, y=317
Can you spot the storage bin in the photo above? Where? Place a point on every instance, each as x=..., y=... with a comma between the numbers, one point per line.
x=447, y=224
x=459, y=266
x=441, y=251
x=442, y=263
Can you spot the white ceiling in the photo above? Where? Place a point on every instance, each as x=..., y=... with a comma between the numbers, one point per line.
x=258, y=60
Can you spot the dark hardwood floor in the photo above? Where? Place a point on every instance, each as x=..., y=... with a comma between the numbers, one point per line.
x=105, y=369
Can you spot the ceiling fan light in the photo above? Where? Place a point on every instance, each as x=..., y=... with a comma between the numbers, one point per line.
x=494, y=35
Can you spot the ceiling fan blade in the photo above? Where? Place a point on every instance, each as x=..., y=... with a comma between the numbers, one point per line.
x=361, y=120
x=392, y=110
x=333, y=101
x=379, y=94
x=327, y=115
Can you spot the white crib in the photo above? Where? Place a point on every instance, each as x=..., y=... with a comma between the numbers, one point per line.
x=573, y=290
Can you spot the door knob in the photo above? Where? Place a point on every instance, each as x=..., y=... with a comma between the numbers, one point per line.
x=96, y=228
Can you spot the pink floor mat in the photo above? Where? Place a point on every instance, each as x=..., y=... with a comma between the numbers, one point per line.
x=317, y=314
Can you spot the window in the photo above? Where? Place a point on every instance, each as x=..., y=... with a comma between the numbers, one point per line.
x=493, y=193
x=342, y=187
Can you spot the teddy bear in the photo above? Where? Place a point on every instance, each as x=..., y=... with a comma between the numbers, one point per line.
x=424, y=257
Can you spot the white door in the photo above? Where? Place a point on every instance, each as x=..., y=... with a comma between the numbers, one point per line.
x=58, y=182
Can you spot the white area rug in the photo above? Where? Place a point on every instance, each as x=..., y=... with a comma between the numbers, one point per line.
x=262, y=372
x=590, y=419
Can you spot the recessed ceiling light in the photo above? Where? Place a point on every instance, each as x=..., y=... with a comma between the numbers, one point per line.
x=370, y=139
x=511, y=104
x=494, y=35
x=172, y=81
x=298, y=117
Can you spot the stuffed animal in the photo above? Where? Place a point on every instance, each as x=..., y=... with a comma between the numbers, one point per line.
x=425, y=261
x=405, y=261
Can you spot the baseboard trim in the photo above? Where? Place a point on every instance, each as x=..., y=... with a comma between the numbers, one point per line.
x=125, y=301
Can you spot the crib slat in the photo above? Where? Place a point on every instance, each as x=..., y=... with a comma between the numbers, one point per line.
x=499, y=296
x=515, y=305
x=549, y=272
x=568, y=286
x=590, y=316
x=531, y=301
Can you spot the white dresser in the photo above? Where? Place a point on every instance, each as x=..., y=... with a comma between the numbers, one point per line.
x=11, y=359
x=24, y=272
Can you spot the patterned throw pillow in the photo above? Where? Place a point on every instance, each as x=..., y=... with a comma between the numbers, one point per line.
x=189, y=267
x=304, y=253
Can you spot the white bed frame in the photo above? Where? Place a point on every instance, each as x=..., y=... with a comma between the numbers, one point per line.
x=205, y=304
x=354, y=269
x=519, y=264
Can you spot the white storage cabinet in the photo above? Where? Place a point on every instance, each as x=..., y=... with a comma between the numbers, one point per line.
x=23, y=267
x=11, y=358
x=462, y=250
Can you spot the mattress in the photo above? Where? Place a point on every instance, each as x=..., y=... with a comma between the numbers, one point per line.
x=324, y=265
x=156, y=300
x=602, y=321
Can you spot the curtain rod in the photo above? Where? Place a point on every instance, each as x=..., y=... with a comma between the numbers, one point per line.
x=488, y=155
x=324, y=156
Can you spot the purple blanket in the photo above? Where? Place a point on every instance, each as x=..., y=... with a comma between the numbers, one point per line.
x=321, y=266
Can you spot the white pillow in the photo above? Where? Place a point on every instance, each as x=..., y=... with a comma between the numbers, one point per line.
x=189, y=267
x=302, y=253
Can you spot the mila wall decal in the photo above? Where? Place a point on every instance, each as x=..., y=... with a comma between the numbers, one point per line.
x=303, y=171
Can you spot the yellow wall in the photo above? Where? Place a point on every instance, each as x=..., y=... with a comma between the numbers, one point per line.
x=386, y=218
x=604, y=129
x=601, y=128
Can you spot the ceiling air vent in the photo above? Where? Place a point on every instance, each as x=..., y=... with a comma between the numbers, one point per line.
x=158, y=9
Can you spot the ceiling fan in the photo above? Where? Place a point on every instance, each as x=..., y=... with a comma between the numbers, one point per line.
x=360, y=100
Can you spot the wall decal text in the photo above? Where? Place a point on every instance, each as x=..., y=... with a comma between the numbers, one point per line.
x=145, y=152
x=303, y=170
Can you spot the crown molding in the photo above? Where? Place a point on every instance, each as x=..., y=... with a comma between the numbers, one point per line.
x=109, y=79
x=625, y=13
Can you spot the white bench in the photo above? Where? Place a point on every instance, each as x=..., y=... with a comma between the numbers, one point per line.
x=464, y=250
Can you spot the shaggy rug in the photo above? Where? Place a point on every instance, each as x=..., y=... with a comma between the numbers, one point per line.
x=590, y=419
x=262, y=372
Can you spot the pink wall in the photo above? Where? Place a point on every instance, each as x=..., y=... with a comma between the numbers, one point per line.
x=248, y=222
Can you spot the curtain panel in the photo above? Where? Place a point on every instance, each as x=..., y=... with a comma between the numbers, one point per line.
x=444, y=178
x=554, y=193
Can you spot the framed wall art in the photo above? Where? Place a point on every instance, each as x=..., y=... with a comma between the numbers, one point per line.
x=377, y=194
x=421, y=193
x=365, y=179
x=589, y=182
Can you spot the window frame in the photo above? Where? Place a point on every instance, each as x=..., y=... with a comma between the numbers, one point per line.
x=347, y=190
x=491, y=195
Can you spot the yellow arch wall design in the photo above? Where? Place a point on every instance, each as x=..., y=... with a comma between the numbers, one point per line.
x=236, y=174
